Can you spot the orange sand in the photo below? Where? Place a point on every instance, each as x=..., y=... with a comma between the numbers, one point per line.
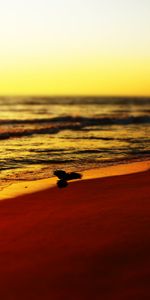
x=90, y=240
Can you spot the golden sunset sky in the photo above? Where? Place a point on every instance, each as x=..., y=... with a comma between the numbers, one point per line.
x=75, y=47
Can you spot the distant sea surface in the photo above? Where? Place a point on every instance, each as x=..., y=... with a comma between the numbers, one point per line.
x=39, y=135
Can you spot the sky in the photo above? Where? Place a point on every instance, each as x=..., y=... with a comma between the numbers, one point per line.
x=75, y=47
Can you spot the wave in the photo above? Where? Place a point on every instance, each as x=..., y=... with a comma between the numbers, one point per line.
x=74, y=100
x=82, y=120
x=11, y=164
x=57, y=124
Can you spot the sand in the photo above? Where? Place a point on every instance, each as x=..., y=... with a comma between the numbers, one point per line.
x=90, y=240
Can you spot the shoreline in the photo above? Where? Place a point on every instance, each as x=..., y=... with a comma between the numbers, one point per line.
x=100, y=164
x=28, y=187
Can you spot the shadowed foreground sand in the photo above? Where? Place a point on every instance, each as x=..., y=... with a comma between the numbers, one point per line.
x=88, y=241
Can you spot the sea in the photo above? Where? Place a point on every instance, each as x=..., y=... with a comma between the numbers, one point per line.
x=41, y=134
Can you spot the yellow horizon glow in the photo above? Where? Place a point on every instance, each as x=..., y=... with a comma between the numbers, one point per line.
x=75, y=48
x=119, y=76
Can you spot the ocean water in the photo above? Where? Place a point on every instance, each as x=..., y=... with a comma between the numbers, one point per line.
x=39, y=135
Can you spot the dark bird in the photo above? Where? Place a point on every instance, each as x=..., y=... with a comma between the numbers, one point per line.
x=65, y=177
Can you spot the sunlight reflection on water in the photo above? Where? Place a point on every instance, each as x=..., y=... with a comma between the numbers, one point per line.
x=39, y=135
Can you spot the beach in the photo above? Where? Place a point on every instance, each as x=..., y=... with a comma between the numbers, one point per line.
x=90, y=240
x=39, y=135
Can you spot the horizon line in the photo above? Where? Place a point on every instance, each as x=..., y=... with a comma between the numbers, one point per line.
x=74, y=95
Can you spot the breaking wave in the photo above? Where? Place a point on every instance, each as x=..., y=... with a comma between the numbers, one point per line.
x=57, y=124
